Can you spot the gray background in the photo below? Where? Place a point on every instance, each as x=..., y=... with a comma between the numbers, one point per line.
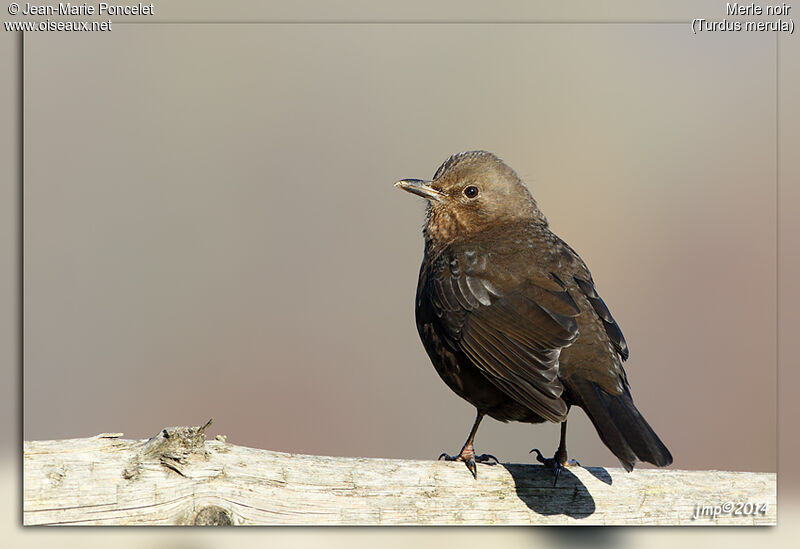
x=211, y=228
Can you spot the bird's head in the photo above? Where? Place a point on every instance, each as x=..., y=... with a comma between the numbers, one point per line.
x=471, y=192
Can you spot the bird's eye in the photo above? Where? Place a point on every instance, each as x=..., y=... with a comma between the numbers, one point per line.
x=471, y=191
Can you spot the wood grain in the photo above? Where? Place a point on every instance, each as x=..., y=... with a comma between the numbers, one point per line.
x=177, y=477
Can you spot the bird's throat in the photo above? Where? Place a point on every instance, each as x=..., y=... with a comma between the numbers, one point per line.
x=442, y=226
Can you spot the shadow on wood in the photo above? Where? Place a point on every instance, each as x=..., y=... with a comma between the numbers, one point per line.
x=569, y=496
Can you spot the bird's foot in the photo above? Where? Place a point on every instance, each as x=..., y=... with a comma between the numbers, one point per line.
x=469, y=458
x=556, y=463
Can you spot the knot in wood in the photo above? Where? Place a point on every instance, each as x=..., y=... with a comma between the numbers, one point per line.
x=212, y=515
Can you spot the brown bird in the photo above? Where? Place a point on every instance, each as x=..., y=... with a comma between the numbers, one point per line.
x=509, y=315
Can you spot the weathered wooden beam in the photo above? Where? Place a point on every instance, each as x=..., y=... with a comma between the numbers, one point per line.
x=178, y=477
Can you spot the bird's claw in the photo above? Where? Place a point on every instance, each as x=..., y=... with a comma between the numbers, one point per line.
x=471, y=460
x=556, y=463
x=539, y=457
x=488, y=459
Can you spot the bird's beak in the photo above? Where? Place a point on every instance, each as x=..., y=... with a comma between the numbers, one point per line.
x=420, y=188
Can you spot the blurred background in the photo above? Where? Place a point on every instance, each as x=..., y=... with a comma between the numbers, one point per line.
x=211, y=228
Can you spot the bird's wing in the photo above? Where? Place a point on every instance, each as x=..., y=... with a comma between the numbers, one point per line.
x=599, y=355
x=511, y=328
x=581, y=277
x=609, y=324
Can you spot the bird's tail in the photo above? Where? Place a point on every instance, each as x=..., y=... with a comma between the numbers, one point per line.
x=620, y=425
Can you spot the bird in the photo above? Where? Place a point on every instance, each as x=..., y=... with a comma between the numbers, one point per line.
x=511, y=319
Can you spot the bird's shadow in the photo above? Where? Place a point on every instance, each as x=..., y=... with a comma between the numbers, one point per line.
x=570, y=497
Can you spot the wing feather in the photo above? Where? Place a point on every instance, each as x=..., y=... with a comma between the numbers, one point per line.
x=512, y=332
x=612, y=328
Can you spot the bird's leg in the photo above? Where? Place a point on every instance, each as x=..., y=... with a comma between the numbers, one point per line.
x=559, y=460
x=467, y=454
